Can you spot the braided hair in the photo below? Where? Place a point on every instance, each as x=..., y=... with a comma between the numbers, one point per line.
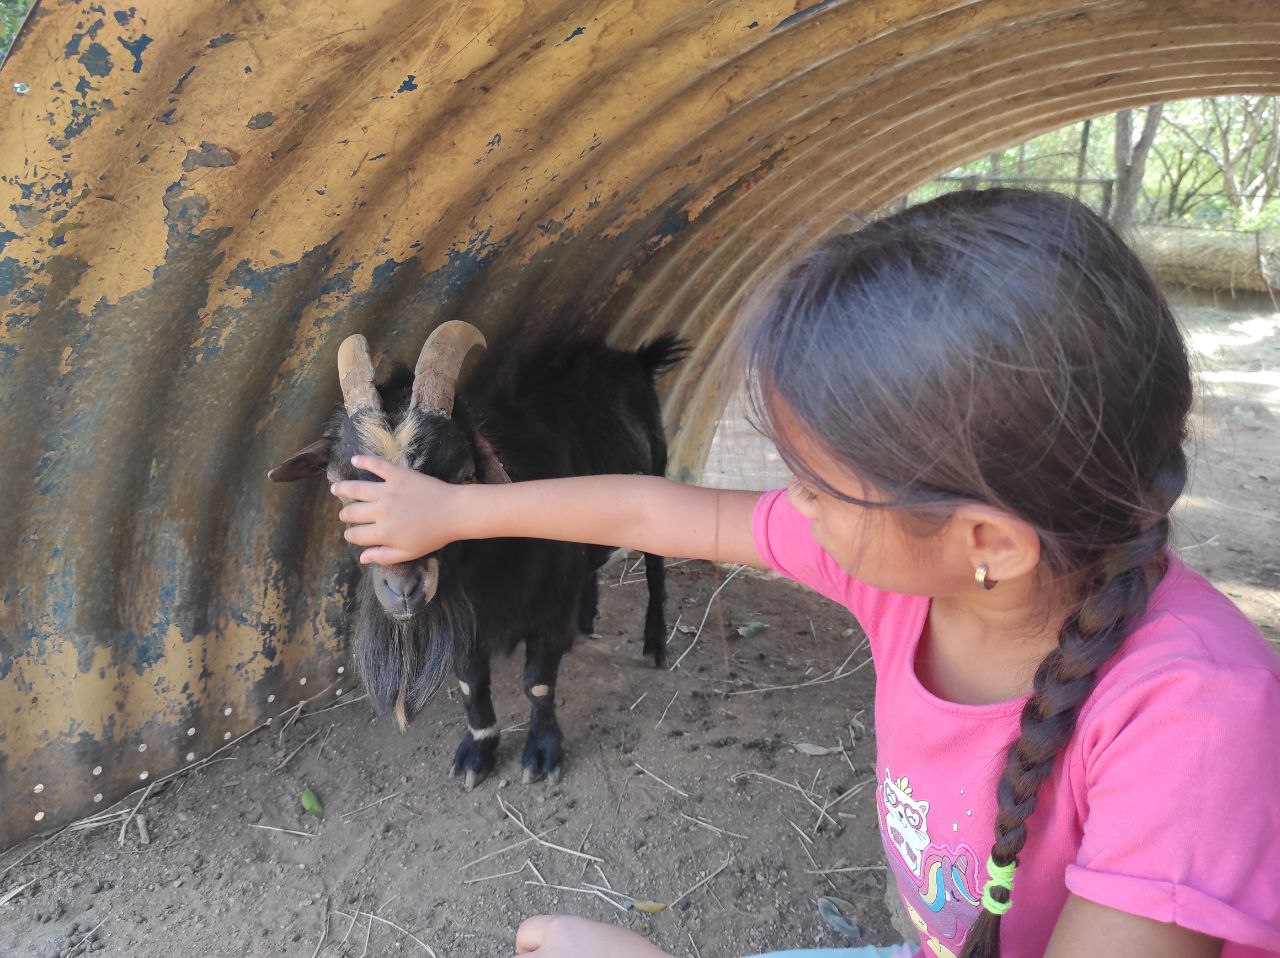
x=1003, y=347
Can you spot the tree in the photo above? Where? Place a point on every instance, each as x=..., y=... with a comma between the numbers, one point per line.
x=1131, y=161
x=1240, y=136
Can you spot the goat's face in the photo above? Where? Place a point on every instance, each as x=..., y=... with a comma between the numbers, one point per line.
x=410, y=425
x=421, y=440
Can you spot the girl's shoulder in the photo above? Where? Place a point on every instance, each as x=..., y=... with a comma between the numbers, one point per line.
x=1193, y=652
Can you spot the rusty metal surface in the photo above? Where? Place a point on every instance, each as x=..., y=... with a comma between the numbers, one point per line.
x=199, y=200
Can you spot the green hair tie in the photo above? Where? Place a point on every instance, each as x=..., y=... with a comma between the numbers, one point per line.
x=1001, y=877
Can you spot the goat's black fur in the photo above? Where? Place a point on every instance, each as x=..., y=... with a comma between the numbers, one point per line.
x=580, y=409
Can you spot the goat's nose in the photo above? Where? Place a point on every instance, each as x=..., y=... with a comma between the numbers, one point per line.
x=403, y=589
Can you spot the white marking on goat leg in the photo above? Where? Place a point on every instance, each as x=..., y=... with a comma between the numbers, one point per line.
x=466, y=689
x=482, y=733
x=540, y=691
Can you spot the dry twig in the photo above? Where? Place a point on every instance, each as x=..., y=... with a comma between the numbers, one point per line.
x=513, y=815
x=705, y=614
x=660, y=781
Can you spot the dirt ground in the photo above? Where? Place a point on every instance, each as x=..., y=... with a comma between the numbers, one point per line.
x=671, y=778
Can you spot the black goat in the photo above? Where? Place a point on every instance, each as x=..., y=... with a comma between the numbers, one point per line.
x=580, y=409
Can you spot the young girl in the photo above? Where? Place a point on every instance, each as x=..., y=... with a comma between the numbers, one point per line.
x=984, y=401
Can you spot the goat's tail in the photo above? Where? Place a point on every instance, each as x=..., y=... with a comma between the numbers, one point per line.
x=659, y=355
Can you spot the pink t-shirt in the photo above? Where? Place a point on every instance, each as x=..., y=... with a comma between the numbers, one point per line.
x=1165, y=804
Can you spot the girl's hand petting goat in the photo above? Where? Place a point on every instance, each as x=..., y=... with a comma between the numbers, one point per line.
x=408, y=515
x=403, y=517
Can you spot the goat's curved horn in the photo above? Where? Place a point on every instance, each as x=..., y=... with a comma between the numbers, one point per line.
x=355, y=374
x=436, y=374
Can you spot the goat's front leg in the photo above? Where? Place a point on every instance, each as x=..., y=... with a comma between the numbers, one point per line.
x=475, y=756
x=542, y=750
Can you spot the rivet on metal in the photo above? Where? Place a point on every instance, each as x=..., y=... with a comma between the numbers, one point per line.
x=142, y=747
x=342, y=669
x=226, y=736
x=191, y=756
x=39, y=789
x=39, y=816
x=97, y=770
x=339, y=691
x=271, y=698
x=302, y=681
x=143, y=776
x=226, y=711
x=98, y=797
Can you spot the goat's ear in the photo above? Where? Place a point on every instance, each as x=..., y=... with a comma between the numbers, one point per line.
x=488, y=466
x=311, y=461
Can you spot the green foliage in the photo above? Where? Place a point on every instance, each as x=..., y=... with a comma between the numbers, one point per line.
x=1199, y=143
x=12, y=13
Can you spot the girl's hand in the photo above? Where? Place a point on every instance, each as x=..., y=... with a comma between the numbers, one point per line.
x=401, y=518
x=564, y=936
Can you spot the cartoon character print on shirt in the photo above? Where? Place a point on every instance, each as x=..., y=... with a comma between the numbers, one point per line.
x=904, y=820
x=939, y=883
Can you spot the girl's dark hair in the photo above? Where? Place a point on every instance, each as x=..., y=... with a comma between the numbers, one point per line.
x=1004, y=347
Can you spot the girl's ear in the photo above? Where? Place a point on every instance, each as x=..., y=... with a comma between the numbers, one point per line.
x=1008, y=546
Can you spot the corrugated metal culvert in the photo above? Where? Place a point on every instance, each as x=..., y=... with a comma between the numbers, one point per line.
x=199, y=200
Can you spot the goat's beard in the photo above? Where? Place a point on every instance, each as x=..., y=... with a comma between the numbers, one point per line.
x=404, y=662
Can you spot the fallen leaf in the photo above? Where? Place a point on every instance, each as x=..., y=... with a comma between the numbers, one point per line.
x=311, y=802
x=831, y=911
x=649, y=907
x=808, y=749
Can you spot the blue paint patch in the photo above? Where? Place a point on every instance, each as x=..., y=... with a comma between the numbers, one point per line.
x=671, y=225
x=408, y=86
x=221, y=40
x=72, y=49
x=209, y=155
x=578, y=31
x=167, y=116
x=6, y=236
x=177, y=87
x=803, y=14
x=382, y=272
x=96, y=60
x=12, y=275
x=753, y=24
x=83, y=87
x=464, y=265
x=122, y=17
x=136, y=47
x=92, y=32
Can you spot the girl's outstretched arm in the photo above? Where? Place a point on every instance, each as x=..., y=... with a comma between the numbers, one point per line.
x=408, y=515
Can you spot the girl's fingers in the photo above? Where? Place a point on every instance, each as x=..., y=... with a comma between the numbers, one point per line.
x=530, y=934
x=357, y=512
x=356, y=490
x=364, y=535
x=376, y=465
x=384, y=555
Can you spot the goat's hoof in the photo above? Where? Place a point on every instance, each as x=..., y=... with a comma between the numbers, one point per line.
x=529, y=777
x=473, y=779
x=553, y=776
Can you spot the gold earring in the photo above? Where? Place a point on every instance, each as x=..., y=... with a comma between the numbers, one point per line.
x=980, y=577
